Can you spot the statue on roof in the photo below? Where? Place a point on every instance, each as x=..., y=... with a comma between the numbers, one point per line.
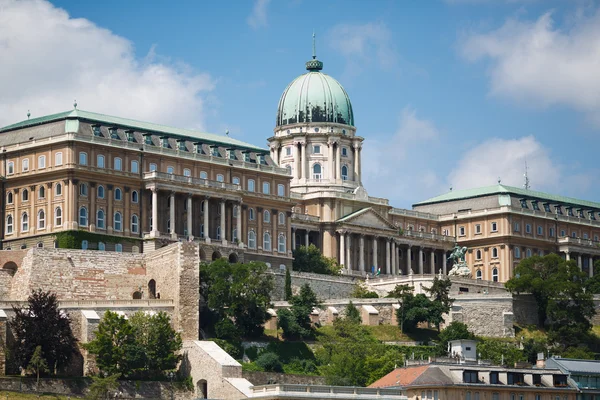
x=459, y=264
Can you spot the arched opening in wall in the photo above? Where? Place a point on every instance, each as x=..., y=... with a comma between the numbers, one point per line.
x=137, y=295
x=10, y=267
x=202, y=389
x=202, y=254
x=152, y=289
x=233, y=258
x=215, y=255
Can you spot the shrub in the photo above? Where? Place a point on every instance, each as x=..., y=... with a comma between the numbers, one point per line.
x=269, y=362
x=251, y=352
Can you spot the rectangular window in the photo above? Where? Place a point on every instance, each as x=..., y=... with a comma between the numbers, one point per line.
x=551, y=232
x=170, y=170
x=288, y=151
x=10, y=168
x=462, y=231
x=280, y=190
x=83, y=158
x=100, y=161
x=316, y=149
x=477, y=228
x=495, y=396
x=524, y=203
x=540, y=230
x=266, y=188
x=41, y=162
x=152, y=167
x=535, y=206
x=58, y=159
x=25, y=165
x=344, y=152
x=470, y=376
x=547, y=207
x=516, y=227
x=494, y=378
x=494, y=227
x=528, y=228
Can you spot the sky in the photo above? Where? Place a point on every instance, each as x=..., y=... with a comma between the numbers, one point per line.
x=447, y=94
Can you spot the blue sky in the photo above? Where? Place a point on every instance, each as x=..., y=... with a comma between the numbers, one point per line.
x=451, y=93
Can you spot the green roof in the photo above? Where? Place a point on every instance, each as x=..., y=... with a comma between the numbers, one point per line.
x=132, y=124
x=503, y=189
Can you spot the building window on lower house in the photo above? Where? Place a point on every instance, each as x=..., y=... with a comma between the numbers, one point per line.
x=9, y=224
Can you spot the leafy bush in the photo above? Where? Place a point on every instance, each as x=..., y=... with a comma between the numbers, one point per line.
x=310, y=259
x=360, y=291
x=251, y=352
x=269, y=362
x=302, y=367
x=289, y=351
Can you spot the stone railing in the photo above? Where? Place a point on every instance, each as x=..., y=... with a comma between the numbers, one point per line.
x=415, y=214
x=142, y=303
x=579, y=242
x=325, y=392
x=305, y=217
x=429, y=236
x=162, y=176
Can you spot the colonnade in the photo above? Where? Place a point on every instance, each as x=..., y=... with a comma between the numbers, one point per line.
x=583, y=261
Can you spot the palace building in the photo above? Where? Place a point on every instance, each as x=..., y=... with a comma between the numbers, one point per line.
x=105, y=183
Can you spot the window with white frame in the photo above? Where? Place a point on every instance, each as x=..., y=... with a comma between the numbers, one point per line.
x=83, y=158
x=235, y=180
x=281, y=218
x=266, y=216
x=479, y=275
x=41, y=219
x=41, y=162
x=251, y=187
x=100, y=219
x=495, y=274
x=152, y=167
x=24, y=222
x=58, y=189
x=25, y=165
x=58, y=159
x=100, y=192
x=251, y=240
x=517, y=252
x=203, y=175
x=118, y=194
x=135, y=196
x=288, y=151
x=266, y=188
x=135, y=167
x=477, y=228
x=25, y=195
x=280, y=190
x=494, y=227
x=187, y=172
x=135, y=223
x=251, y=214
x=118, y=164
x=267, y=241
x=9, y=224
x=316, y=149
x=170, y=170
x=281, y=243
x=10, y=168
x=58, y=216
x=42, y=192
x=83, y=189
x=9, y=197
x=118, y=221
x=220, y=178
x=100, y=161
x=495, y=252
x=119, y=248
x=461, y=231
x=317, y=172
x=344, y=173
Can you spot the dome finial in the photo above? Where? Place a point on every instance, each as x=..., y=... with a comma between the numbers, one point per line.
x=314, y=65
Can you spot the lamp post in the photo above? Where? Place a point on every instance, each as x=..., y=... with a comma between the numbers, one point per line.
x=171, y=376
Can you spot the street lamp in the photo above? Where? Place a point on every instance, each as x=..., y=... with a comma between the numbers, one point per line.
x=171, y=375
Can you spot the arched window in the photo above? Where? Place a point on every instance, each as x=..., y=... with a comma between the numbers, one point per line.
x=220, y=178
x=134, y=196
x=267, y=241
x=84, y=245
x=135, y=167
x=517, y=252
x=317, y=172
x=478, y=255
x=281, y=218
x=495, y=252
x=101, y=246
x=58, y=189
x=251, y=187
x=135, y=223
x=58, y=216
x=25, y=165
x=187, y=172
x=119, y=248
x=25, y=195
x=42, y=192
x=203, y=175
x=83, y=158
x=10, y=168
x=280, y=190
x=118, y=194
x=495, y=274
x=479, y=275
x=218, y=233
x=83, y=189
x=281, y=243
x=24, y=222
x=9, y=198
x=100, y=219
x=344, y=173
x=100, y=161
x=266, y=216
x=40, y=245
x=41, y=219
x=100, y=192
x=9, y=224
x=251, y=214
x=251, y=240
x=528, y=253
x=118, y=163
x=170, y=170
x=235, y=180
x=118, y=220
x=266, y=188
x=152, y=167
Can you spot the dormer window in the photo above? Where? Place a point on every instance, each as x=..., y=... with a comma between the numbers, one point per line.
x=515, y=378
x=494, y=378
x=559, y=210
x=231, y=154
x=592, y=216
x=114, y=134
x=148, y=140
x=96, y=130
x=164, y=142
x=580, y=214
x=215, y=151
x=523, y=203
x=535, y=206
x=181, y=145
x=247, y=157
x=569, y=211
x=198, y=148
x=547, y=207
x=470, y=377
x=130, y=136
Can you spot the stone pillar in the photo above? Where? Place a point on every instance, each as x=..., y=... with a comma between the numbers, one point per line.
x=238, y=223
x=342, y=250
x=432, y=262
x=361, y=249
x=394, y=266
x=223, y=227
x=408, y=260
x=591, y=267
x=356, y=162
x=296, y=174
x=109, y=213
x=190, y=220
x=387, y=257
x=375, y=253
x=445, y=262
x=306, y=238
x=303, y=160
x=293, y=239
x=172, y=231
x=154, y=226
x=579, y=262
x=338, y=162
x=420, y=261
x=206, y=220
x=331, y=161
x=92, y=222
x=348, y=252
x=567, y=256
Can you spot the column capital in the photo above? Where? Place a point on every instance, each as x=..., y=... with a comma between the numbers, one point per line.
x=110, y=187
x=357, y=145
x=49, y=184
x=154, y=190
x=207, y=197
x=92, y=184
x=126, y=189
x=288, y=214
x=190, y=195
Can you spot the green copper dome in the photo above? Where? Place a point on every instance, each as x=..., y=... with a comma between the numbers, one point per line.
x=314, y=97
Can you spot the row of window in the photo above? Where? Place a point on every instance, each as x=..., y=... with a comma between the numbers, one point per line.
x=100, y=220
x=528, y=252
x=41, y=220
x=479, y=274
x=317, y=171
x=281, y=242
x=10, y=166
x=101, y=246
x=513, y=396
x=478, y=253
x=551, y=233
x=493, y=228
x=558, y=209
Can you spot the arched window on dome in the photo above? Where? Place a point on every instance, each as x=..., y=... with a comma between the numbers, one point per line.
x=344, y=173
x=317, y=172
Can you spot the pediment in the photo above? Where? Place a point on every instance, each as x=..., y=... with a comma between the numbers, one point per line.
x=368, y=218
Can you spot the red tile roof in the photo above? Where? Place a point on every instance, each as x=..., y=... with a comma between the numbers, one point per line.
x=400, y=377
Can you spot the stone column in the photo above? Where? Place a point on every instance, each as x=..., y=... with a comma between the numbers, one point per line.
x=126, y=219
x=579, y=262
x=445, y=262
x=420, y=261
x=356, y=147
x=190, y=219
x=306, y=238
x=342, y=250
x=223, y=227
x=348, y=252
x=154, y=226
x=361, y=249
x=408, y=260
x=206, y=220
x=296, y=174
x=49, y=210
x=303, y=160
x=109, y=217
x=172, y=215
x=591, y=267
x=375, y=253
x=331, y=161
x=338, y=162
x=387, y=257
x=293, y=238
x=238, y=223
x=567, y=256
x=432, y=262
x=393, y=250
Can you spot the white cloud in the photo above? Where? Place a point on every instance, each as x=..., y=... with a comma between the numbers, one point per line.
x=533, y=62
x=363, y=45
x=49, y=59
x=398, y=167
x=258, y=17
x=496, y=158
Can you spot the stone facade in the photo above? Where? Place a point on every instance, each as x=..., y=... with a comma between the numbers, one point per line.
x=267, y=378
x=325, y=286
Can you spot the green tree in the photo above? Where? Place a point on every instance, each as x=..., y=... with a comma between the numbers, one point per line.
x=352, y=313
x=295, y=322
x=442, y=302
x=454, y=331
x=115, y=347
x=361, y=291
x=42, y=324
x=269, y=362
x=310, y=259
x=37, y=364
x=499, y=351
x=413, y=309
x=240, y=292
x=288, y=285
x=101, y=387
